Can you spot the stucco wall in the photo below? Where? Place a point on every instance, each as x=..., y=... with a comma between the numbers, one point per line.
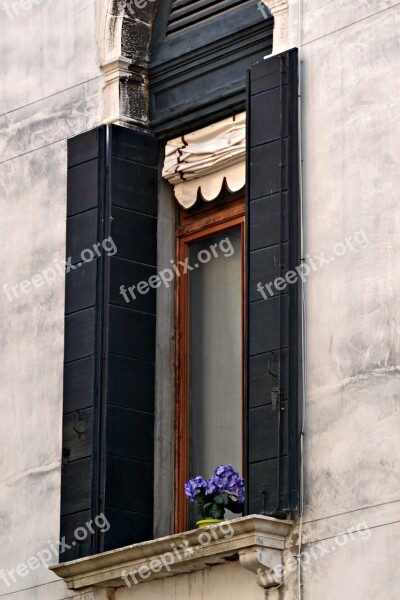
x=51, y=89
x=226, y=581
x=351, y=59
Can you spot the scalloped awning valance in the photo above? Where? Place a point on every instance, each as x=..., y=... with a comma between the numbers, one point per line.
x=203, y=161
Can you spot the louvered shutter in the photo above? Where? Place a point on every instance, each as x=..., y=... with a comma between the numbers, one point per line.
x=108, y=419
x=273, y=228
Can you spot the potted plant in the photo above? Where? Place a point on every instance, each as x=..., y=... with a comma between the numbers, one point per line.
x=223, y=491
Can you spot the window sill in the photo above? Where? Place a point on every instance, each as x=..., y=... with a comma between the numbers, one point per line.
x=257, y=542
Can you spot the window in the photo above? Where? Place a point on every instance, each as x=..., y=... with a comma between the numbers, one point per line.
x=110, y=401
x=210, y=321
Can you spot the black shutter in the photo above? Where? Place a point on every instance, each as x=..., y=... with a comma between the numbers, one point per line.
x=273, y=227
x=108, y=408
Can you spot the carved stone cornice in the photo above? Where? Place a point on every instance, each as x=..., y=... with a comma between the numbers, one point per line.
x=115, y=69
x=257, y=542
x=277, y=6
x=125, y=85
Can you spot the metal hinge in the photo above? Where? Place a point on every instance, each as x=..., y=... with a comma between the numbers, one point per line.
x=65, y=456
x=276, y=399
x=80, y=422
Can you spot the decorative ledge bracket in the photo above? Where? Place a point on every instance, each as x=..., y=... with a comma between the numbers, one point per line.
x=256, y=541
x=124, y=81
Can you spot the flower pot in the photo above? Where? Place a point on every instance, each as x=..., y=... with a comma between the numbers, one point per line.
x=208, y=522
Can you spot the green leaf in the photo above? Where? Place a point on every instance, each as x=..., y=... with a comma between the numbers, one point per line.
x=222, y=499
x=200, y=497
x=207, y=508
x=217, y=512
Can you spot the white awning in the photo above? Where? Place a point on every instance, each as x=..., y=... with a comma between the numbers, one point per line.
x=206, y=160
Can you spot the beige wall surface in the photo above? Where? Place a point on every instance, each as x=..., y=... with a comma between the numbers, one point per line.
x=351, y=143
x=230, y=582
x=50, y=90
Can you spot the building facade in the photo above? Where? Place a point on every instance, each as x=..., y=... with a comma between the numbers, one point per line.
x=135, y=130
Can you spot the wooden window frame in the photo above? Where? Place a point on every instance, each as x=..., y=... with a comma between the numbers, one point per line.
x=193, y=227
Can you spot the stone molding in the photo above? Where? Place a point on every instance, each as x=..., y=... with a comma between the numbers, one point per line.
x=115, y=69
x=122, y=78
x=280, y=12
x=257, y=542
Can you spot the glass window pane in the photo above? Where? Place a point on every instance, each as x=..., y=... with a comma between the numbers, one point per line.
x=215, y=353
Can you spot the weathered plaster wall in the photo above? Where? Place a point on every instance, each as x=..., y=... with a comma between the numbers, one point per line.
x=226, y=581
x=351, y=59
x=51, y=89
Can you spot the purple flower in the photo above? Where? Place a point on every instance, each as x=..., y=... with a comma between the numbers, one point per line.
x=194, y=486
x=224, y=479
x=210, y=487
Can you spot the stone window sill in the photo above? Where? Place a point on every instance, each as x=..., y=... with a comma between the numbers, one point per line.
x=257, y=542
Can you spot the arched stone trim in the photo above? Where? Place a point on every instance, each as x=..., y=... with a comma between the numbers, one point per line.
x=126, y=29
x=111, y=28
x=280, y=11
x=125, y=39
x=124, y=53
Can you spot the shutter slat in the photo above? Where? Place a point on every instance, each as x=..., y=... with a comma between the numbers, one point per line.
x=183, y=17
